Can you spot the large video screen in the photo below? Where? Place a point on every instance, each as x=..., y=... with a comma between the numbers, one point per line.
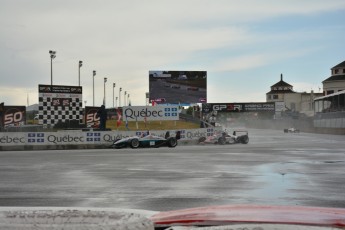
x=177, y=87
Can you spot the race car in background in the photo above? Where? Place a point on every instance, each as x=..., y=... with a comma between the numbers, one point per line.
x=223, y=137
x=176, y=87
x=291, y=130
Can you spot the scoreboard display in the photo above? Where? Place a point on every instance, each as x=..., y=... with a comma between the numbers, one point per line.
x=58, y=103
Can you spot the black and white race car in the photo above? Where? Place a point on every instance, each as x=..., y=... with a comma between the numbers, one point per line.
x=224, y=137
x=146, y=141
x=291, y=130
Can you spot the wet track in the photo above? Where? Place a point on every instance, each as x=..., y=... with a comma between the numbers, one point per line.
x=274, y=168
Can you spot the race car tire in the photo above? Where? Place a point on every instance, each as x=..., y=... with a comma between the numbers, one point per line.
x=172, y=142
x=286, y=130
x=134, y=143
x=231, y=141
x=201, y=139
x=221, y=140
x=244, y=139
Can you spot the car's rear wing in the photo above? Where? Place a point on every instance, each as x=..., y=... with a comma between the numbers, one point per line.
x=240, y=132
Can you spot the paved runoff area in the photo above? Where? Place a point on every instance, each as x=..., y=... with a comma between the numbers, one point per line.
x=274, y=168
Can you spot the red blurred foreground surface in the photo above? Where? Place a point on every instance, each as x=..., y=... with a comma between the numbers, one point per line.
x=234, y=214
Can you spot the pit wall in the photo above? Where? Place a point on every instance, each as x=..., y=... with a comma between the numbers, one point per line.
x=77, y=139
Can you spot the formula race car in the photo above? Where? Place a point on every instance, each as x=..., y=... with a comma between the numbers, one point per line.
x=291, y=130
x=223, y=138
x=175, y=86
x=146, y=141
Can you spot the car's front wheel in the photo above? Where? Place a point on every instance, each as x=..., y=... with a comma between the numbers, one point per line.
x=134, y=143
x=172, y=142
x=201, y=139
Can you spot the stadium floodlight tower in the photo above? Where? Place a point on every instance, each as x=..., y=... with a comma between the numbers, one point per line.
x=120, y=96
x=80, y=65
x=113, y=94
x=105, y=80
x=93, y=86
x=52, y=56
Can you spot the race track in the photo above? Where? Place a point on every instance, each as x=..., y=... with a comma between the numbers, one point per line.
x=274, y=168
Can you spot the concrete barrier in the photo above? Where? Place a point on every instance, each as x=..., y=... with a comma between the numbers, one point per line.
x=78, y=139
x=74, y=218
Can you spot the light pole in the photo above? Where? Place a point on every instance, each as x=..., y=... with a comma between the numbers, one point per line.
x=120, y=96
x=124, y=99
x=80, y=65
x=52, y=56
x=116, y=101
x=93, y=86
x=128, y=99
x=105, y=80
x=113, y=93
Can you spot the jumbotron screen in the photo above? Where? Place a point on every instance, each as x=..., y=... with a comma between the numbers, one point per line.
x=177, y=87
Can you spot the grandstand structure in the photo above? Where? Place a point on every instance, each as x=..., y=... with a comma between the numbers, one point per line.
x=330, y=112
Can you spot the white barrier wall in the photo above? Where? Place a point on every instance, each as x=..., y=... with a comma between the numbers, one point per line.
x=88, y=137
x=330, y=123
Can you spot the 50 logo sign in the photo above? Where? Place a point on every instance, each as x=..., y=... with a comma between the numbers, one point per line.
x=14, y=116
x=91, y=118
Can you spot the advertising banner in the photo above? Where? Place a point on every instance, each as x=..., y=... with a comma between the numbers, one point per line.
x=2, y=110
x=89, y=137
x=238, y=107
x=150, y=113
x=59, y=103
x=91, y=119
x=279, y=106
x=14, y=116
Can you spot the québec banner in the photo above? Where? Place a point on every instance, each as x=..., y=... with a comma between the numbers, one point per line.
x=150, y=113
x=89, y=137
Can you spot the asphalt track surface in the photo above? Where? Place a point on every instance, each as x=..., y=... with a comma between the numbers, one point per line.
x=275, y=168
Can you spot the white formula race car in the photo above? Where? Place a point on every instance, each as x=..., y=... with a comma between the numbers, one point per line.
x=291, y=130
x=224, y=137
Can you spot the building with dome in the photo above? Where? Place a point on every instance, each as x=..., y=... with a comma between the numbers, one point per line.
x=287, y=100
x=336, y=82
x=330, y=108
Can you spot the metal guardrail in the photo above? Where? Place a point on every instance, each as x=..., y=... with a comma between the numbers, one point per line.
x=330, y=115
x=23, y=128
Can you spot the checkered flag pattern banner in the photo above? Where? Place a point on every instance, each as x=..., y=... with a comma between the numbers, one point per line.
x=59, y=104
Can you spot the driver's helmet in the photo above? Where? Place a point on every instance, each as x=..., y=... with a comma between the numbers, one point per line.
x=144, y=134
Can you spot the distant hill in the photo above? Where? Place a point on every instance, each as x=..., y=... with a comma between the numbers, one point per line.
x=32, y=107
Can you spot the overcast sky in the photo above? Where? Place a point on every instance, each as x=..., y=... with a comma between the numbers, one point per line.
x=243, y=45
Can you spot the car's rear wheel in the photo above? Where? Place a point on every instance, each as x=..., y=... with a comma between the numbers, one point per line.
x=221, y=140
x=134, y=143
x=172, y=142
x=245, y=139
